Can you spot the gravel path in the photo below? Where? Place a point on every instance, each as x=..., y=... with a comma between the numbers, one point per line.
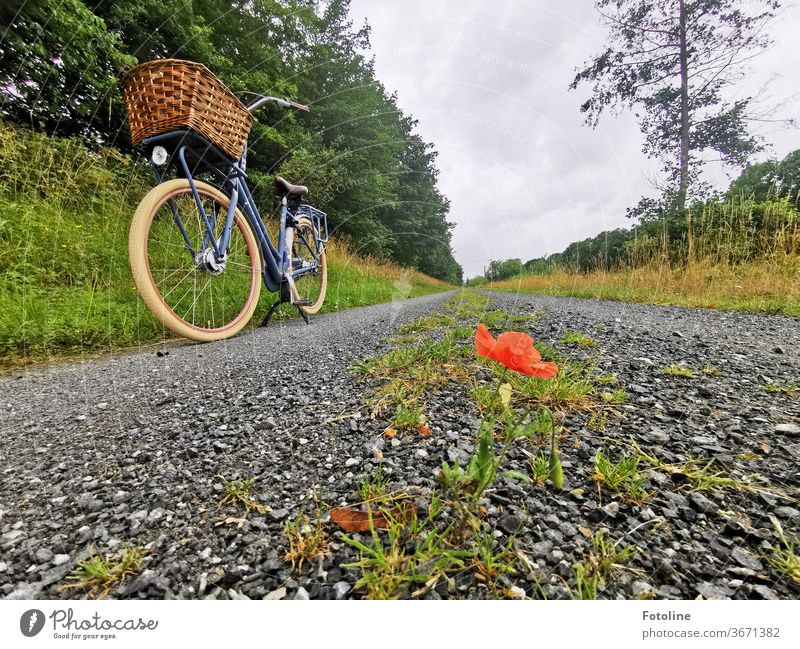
x=131, y=449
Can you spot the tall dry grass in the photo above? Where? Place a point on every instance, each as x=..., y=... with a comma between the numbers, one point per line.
x=737, y=254
x=769, y=286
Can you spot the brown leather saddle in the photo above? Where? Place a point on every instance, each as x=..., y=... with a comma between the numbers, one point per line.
x=284, y=188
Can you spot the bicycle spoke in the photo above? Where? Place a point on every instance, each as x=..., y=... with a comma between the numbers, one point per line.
x=201, y=295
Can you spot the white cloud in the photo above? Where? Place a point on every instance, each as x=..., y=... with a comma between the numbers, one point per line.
x=488, y=83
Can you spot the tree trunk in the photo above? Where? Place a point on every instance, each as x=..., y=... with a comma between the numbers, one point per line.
x=683, y=186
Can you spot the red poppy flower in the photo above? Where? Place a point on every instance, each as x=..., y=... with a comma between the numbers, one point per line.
x=515, y=350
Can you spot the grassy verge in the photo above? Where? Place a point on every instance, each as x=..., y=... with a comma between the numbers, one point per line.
x=767, y=286
x=65, y=282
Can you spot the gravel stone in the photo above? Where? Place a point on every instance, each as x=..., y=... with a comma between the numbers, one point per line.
x=144, y=469
x=701, y=503
x=341, y=589
x=278, y=593
x=510, y=524
x=746, y=560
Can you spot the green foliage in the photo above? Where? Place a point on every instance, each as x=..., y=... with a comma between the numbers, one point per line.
x=65, y=280
x=554, y=469
x=778, y=388
x=97, y=575
x=622, y=477
x=58, y=67
x=500, y=270
x=407, y=416
x=306, y=539
x=680, y=371
x=770, y=180
x=577, y=339
x=238, y=492
x=784, y=558
x=412, y=554
x=357, y=150
x=477, y=281
x=617, y=397
x=374, y=487
x=540, y=467
x=604, y=558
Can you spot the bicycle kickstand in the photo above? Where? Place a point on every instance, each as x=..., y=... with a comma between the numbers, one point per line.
x=285, y=297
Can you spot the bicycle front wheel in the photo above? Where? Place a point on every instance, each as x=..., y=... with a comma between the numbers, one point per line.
x=175, y=269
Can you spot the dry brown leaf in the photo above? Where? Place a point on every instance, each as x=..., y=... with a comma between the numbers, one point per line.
x=424, y=430
x=355, y=520
x=389, y=432
x=230, y=520
x=586, y=532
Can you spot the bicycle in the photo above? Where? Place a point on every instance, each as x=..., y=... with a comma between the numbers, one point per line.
x=200, y=251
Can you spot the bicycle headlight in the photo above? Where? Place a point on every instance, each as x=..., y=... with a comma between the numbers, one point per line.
x=159, y=155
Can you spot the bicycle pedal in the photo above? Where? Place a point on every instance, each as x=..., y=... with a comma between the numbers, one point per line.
x=302, y=303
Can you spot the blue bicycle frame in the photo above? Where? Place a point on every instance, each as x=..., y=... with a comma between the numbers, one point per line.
x=196, y=154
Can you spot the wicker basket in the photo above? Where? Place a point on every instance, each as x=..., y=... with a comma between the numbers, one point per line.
x=169, y=94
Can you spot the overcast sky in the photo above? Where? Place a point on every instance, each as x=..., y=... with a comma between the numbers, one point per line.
x=487, y=80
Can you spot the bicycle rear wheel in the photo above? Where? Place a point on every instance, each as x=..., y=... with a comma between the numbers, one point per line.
x=192, y=294
x=306, y=252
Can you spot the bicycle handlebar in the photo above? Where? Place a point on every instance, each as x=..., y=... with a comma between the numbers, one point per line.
x=286, y=103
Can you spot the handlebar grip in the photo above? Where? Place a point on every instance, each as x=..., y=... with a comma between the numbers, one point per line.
x=299, y=106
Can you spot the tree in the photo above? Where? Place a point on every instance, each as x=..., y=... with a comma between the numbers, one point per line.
x=757, y=182
x=769, y=180
x=357, y=150
x=58, y=66
x=672, y=62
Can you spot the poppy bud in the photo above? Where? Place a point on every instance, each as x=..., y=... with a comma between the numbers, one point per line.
x=556, y=472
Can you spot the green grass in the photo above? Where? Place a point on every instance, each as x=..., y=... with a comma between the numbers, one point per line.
x=784, y=558
x=407, y=416
x=502, y=320
x=702, y=474
x=306, y=539
x=605, y=379
x=576, y=339
x=374, y=488
x=623, y=477
x=427, y=323
x=65, y=281
x=540, y=467
x=491, y=560
x=97, y=575
x=570, y=389
x=680, y=371
x=238, y=492
x=616, y=397
x=408, y=559
x=604, y=558
x=777, y=388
